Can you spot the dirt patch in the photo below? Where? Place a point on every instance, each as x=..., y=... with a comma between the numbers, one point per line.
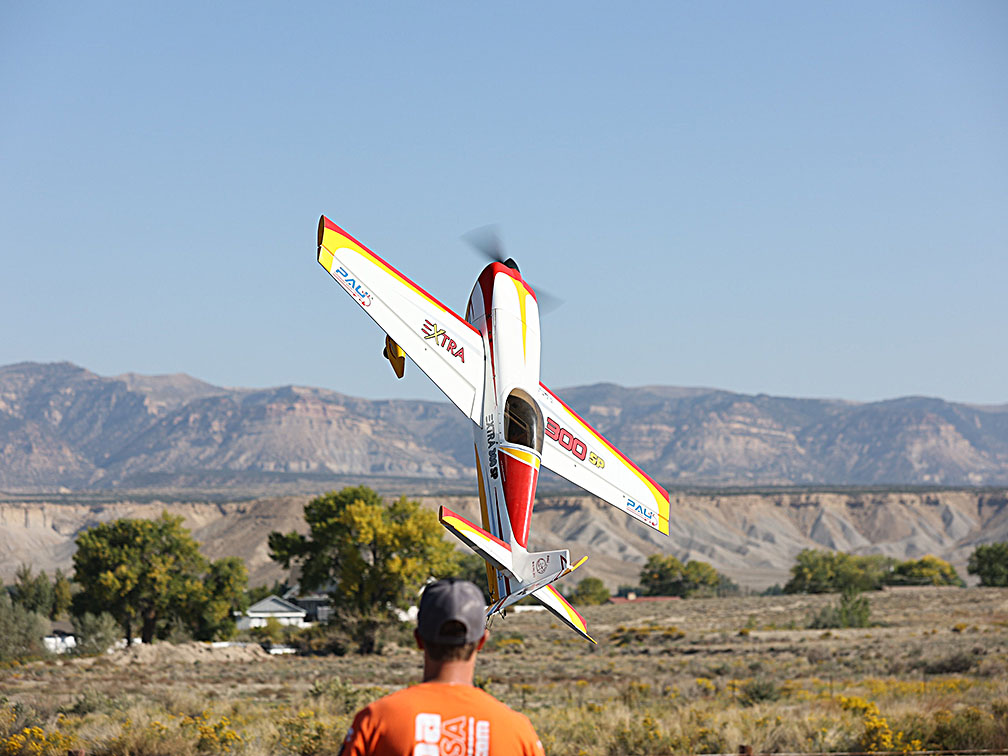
x=183, y=653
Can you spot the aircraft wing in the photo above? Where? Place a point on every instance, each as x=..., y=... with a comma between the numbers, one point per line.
x=579, y=453
x=443, y=345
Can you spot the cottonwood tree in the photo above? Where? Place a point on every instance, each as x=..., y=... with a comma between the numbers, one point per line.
x=589, y=592
x=662, y=576
x=990, y=562
x=700, y=579
x=820, y=571
x=370, y=557
x=667, y=576
x=928, y=570
x=147, y=573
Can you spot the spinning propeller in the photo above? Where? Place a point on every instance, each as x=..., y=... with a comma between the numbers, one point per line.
x=486, y=240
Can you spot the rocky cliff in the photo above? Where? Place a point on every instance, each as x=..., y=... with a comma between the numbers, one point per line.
x=63, y=426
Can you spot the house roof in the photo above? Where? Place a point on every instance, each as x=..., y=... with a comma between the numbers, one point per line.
x=625, y=599
x=274, y=605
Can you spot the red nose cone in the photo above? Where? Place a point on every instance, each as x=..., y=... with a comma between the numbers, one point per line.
x=519, y=474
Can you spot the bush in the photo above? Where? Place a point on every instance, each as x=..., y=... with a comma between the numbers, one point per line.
x=322, y=640
x=346, y=697
x=853, y=610
x=757, y=690
x=960, y=730
x=21, y=631
x=96, y=634
x=953, y=664
x=271, y=632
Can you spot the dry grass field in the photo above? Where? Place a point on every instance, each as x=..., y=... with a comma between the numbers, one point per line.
x=682, y=677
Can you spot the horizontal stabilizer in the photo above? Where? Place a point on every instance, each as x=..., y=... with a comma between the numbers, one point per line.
x=492, y=549
x=550, y=598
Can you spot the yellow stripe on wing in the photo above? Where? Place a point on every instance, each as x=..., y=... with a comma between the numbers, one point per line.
x=575, y=619
x=333, y=239
x=660, y=495
x=464, y=526
x=325, y=259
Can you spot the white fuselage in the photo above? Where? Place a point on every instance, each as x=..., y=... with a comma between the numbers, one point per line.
x=509, y=443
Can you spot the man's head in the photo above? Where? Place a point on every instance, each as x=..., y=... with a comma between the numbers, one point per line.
x=452, y=619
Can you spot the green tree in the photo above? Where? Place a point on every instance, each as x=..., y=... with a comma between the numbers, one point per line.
x=990, y=562
x=21, y=630
x=662, y=576
x=867, y=572
x=700, y=579
x=223, y=594
x=33, y=592
x=814, y=571
x=62, y=595
x=819, y=571
x=589, y=592
x=150, y=573
x=473, y=568
x=371, y=557
x=667, y=576
x=928, y=570
x=726, y=586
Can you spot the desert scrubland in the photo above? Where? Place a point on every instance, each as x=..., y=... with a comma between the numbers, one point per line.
x=687, y=676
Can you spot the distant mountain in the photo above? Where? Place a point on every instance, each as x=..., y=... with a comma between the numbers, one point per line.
x=63, y=426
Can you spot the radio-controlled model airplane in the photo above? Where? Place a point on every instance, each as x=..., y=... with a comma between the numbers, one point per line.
x=487, y=364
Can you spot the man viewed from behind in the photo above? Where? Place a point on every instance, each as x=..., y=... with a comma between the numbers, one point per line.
x=444, y=714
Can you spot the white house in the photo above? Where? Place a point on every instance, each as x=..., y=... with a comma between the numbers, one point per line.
x=282, y=611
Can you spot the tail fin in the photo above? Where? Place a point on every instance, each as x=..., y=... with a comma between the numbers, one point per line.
x=535, y=579
x=538, y=574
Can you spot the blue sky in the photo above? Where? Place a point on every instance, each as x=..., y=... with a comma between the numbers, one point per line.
x=803, y=199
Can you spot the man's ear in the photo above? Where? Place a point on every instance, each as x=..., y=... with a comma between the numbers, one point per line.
x=482, y=640
x=419, y=640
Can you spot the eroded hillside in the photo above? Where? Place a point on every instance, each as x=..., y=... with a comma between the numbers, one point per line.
x=752, y=537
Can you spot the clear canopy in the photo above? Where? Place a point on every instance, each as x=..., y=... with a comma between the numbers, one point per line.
x=523, y=421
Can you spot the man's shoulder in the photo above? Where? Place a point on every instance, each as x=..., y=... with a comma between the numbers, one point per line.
x=442, y=711
x=429, y=694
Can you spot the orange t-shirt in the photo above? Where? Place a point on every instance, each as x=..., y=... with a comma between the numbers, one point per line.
x=440, y=719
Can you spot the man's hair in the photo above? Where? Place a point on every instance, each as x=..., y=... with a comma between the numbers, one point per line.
x=451, y=652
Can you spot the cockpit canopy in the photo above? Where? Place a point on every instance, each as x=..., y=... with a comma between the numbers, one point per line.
x=523, y=421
